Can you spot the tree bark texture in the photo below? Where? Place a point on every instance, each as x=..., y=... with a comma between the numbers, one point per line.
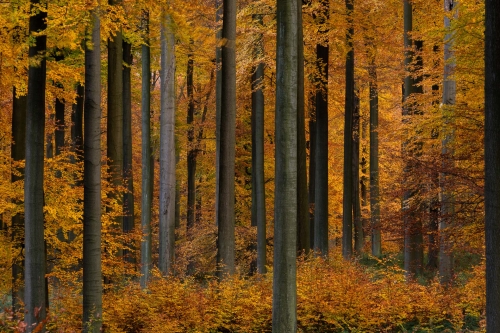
x=225, y=204
x=258, y=183
x=284, y=318
x=167, y=147
x=92, y=273
x=492, y=164
x=191, y=158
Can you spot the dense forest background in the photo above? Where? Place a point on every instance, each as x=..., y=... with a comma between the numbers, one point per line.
x=181, y=103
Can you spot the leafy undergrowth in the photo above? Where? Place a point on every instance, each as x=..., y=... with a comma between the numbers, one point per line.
x=333, y=296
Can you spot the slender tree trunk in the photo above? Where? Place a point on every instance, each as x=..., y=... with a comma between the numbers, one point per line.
x=312, y=176
x=218, y=104
x=146, y=156
x=167, y=147
x=492, y=164
x=114, y=134
x=349, y=111
x=18, y=153
x=258, y=184
x=35, y=264
x=356, y=203
x=413, y=248
x=92, y=273
x=191, y=159
x=303, y=236
x=60, y=124
x=447, y=209
x=225, y=244
x=128, y=196
x=285, y=198
x=321, y=149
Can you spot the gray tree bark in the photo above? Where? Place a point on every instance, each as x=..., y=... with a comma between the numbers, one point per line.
x=114, y=133
x=18, y=153
x=128, y=196
x=447, y=206
x=225, y=204
x=35, y=264
x=146, y=160
x=321, y=142
x=92, y=273
x=492, y=164
x=285, y=198
x=258, y=184
x=218, y=104
x=167, y=147
x=191, y=158
x=349, y=111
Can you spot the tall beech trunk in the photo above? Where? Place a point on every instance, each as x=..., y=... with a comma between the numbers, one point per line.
x=146, y=157
x=321, y=142
x=167, y=147
x=284, y=319
x=447, y=206
x=34, y=246
x=413, y=249
x=128, y=196
x=92, y=273
x=191, y=158
x=376, y=239
x=312, y=175
x=492, y=164
x=18, y=153
x=114, y=134
x=348, y=132
x=218, y=104
x=225, y=204
x=258, y=184
x=303, y=237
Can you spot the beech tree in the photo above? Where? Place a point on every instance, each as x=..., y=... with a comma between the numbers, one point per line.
x=167, y=146
x=285, y=197
x=92, y=273
x=225, y=204
x=492, y=164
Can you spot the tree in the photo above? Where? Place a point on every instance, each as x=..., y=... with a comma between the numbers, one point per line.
x=147, y=175
x=35, y=264
x=192, y=152
x=285, y=198
x=258, y=185
x=348, y=133
x=492, y=164
x=225, y=204
x=92, y=273
x=321, y=139
x=128, y=196
x=167, y=146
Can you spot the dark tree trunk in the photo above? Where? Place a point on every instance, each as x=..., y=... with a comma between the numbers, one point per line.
x=35, y=264
x=218, y=104
x=285, y=197
x=225, y=244
x=348, y=132
x=492, y=165
x=258, y=184
x=321, y=149
x=303, y=236
x=312, y=175
x=18, y=153
x=146, y=157
x=191, y=158
x=92, y=273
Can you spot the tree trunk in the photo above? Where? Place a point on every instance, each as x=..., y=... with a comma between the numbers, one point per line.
x=191, y=158
x=492, y=164
x=92, y=273
x=218, y=104
x=258, y=184
x=447, y=206
x=349, y=111
x=146, y=157
x=167, y=147
x=285, y=197
x=321, y=149
x=312, y=176
x=18, y=153
x=35, y=264
x=225, y=241
x=128, y=196
x=303, y=237
x=114, y=134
